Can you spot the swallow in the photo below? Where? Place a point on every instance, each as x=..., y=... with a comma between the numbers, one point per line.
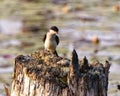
x=51, y=40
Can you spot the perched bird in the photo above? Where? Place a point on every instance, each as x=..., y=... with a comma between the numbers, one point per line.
x=51, y=40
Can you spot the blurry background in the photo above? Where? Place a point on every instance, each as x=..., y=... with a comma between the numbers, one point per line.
x=92, y=27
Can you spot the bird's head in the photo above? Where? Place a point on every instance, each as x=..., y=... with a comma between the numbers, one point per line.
x=54, y=28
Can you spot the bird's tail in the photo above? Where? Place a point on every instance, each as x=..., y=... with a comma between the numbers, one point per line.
x=55, y=52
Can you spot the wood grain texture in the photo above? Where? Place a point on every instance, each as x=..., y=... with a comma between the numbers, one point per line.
x=43, y=74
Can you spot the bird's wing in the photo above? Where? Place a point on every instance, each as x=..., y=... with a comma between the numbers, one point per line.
x=44, y=38
x=57, y=39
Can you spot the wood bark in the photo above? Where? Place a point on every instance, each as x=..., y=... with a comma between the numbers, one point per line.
x=43, y=74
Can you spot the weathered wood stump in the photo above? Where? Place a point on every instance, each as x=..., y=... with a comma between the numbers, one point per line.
x=43, y=74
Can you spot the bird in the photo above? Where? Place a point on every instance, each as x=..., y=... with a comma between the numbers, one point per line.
x=51, y=40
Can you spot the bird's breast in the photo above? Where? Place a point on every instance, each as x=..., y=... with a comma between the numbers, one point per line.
x=50, y=43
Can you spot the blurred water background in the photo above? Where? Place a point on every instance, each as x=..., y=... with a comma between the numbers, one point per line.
x=91, y=27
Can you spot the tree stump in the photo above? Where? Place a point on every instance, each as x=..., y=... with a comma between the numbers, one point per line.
x=43, y=74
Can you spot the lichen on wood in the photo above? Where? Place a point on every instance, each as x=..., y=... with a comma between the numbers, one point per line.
x=43, y=74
